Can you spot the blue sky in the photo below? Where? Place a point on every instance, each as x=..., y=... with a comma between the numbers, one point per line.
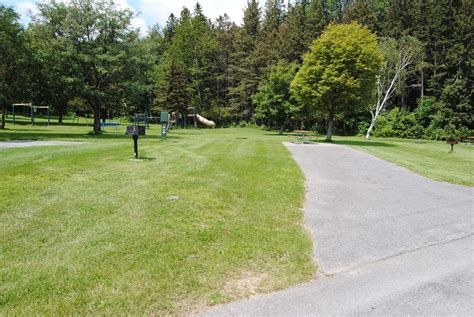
x=154, y=11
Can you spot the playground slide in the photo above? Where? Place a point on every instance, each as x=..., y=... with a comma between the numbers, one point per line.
x=204, y=121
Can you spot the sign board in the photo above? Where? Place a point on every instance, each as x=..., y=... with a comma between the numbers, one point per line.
x=135, y=130
x=164, y=117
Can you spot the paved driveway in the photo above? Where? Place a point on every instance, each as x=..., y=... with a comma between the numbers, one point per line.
x=387, y=241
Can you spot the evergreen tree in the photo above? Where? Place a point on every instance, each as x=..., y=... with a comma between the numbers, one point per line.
x=169, y=30
x=225, y=31
x=364, y=13
x=269, y=43
x=245, y=69
x=190, y=54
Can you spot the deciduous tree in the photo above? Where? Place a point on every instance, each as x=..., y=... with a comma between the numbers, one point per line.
x=338, y=74
x=399, y=55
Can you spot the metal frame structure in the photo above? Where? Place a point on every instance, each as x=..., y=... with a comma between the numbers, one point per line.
x=33, y=110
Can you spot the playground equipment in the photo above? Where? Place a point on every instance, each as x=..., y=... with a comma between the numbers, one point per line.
x=192, y=114
x=33, y=110
x=206, y=122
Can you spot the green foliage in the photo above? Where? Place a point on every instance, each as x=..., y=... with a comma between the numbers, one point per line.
x=96, y=40
x=13, y=61
x=398, y=123
x=87, y=50
x=184, y=74
x=244, y=63
x=338, y=74
x=275, y=104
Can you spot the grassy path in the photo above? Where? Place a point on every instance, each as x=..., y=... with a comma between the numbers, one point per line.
x=86, y=231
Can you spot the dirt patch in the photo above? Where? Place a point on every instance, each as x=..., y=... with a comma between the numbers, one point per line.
x=247, y=284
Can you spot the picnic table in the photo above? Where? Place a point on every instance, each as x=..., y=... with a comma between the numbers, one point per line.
x=304, y=136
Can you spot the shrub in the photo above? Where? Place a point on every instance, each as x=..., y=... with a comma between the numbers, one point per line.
x=398, y=123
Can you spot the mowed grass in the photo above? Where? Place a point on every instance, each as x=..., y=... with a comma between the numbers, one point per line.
x=428, y=158
x=208, y=216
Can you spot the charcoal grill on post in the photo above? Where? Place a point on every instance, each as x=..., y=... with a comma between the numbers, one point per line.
x=135, y=131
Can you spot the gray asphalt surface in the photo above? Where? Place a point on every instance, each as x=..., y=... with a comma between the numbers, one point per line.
x=387, y=241
x=22, y=143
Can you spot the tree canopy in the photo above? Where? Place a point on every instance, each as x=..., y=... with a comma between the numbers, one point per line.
x=338, y=74
x=84, y=56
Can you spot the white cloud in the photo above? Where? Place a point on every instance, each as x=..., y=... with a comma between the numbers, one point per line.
x=138, y=21
x=157, y=11
x=25, y=10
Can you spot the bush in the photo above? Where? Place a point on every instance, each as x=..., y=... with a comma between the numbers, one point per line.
x=398, y=123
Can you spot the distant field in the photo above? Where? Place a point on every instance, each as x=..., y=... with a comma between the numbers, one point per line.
x=429, y=158
x=207, y=217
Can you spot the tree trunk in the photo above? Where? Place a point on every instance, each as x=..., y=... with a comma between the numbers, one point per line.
x=96, y=120
x=2, y=123
x=371, y=127
x=60, y=116
x=282, y=128
x=330, y=126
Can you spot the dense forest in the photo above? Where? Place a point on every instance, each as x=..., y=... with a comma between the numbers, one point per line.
x=84, y=57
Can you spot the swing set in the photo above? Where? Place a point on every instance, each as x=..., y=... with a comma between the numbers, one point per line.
x=33, y=110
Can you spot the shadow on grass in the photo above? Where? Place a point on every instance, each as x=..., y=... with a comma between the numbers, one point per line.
x=278, y=134
x=360, y=143
x=34, y=136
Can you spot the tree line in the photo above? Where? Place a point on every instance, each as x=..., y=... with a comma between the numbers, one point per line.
x=84, y=56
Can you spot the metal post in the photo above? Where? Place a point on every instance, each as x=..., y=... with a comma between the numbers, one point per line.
x=147, y=125
x=13, y=114
x=135, y=145
x=195, y=118
x=48, y=116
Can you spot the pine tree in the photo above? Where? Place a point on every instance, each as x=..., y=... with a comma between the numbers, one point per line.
x=364, y=13
x=269, y=43
x=225, y=31
x=244, y=66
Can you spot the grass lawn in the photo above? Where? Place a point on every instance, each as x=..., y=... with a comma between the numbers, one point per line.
x=208, y=216
x=429, y=158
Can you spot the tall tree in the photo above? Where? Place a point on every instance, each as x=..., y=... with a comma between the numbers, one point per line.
x=191, y=54
x=12, y=60
x=399, y=56
x=50, y=78
x=245, y=69
x=225, y=31
x=338, y=74
x=363, y=12
x=97, y=37
x=268, y=50
x=275, y=104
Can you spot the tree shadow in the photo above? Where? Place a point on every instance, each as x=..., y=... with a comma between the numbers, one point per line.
x=363, y=143
x=34, y=136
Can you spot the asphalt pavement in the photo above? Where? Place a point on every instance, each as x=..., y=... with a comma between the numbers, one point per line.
x=386, y=241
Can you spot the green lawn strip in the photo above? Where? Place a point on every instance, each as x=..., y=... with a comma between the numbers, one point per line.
x=428, y=158
x=86, y=231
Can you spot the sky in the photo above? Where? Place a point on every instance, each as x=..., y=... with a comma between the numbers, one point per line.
x=151, y=12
